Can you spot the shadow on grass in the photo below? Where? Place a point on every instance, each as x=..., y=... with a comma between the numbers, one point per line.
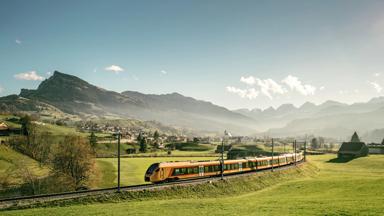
x=340, y=160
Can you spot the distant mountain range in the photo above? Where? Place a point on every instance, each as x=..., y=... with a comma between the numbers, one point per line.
x=75, y=96
x=67, y=94
x=331, y=119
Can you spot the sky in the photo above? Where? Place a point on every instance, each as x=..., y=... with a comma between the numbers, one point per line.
x=236, y=54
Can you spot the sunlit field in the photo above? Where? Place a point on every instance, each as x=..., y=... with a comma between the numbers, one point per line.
x=353, y=188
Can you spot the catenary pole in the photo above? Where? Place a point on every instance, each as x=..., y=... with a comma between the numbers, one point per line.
x=118, y=160
x=272, y=153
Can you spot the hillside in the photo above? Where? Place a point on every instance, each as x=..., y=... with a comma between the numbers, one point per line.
x=13, y=166
x=75, y=96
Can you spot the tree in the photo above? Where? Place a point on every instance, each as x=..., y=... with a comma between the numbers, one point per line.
x=93, y=140
x=139, y=138
x=143, y=145
x=74, y=158
x=314, y=143
x=156, y=136
x=156, y=139
x=25, y=122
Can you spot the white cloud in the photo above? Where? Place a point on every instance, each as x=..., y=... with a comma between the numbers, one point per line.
x=244, y=93
x=248, y=80
x=295, y=84
x=376, y=74
x=94, y=70
x=18, y=41
x=321, y=88
x=49, y=73
x=269, y=87
x=114, y=68
x=164, y=72
x=31, y=75
x=377, y=86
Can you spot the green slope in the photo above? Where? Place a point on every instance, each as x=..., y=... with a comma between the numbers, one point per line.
x=12, y=164
x=353, y=188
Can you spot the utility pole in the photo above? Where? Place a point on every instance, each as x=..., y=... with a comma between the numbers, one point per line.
x=295, y=146
x=222, y=157
x=118, y=134
x=226, y=135
x=272, y=154
x=305, y=150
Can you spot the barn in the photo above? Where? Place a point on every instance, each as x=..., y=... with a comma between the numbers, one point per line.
x=352, y=149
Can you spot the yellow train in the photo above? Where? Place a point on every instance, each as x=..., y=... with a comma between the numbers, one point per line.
x=173, y=171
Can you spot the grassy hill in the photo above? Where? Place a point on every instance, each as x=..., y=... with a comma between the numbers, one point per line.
x=353, y=188
x=13, y=166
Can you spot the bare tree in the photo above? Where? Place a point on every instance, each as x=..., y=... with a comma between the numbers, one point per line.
x=74, y=157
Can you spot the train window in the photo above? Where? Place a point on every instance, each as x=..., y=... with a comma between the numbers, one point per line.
x=196, y=170
x=190, y=170
x=244, y=165
x=206, y=169
x=183, y=171
x=176, y=171
x=212, y=168
x=236, y=166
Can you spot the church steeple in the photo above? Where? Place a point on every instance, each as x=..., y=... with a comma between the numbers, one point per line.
x=355, y=137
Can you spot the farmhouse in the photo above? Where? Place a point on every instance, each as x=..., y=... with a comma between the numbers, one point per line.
x=354, y=148
x=4, y=129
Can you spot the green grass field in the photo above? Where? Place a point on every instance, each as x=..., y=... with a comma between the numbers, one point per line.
x=353, y=188
x=132, y=169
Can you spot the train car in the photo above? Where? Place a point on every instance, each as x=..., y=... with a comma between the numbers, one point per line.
x=173, y=171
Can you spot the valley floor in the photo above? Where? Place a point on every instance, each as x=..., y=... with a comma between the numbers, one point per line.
x=352, y=188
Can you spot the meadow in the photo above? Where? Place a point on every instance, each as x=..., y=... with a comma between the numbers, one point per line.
x=352, y=188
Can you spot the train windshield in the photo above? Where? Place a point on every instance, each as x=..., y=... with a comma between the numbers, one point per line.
x=152, y=168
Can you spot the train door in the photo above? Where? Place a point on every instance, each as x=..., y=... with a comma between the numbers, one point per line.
x=240, y=166
x=162, y=173
x=201, y=170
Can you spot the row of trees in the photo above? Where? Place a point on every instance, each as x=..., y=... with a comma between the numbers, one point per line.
x=319, y=143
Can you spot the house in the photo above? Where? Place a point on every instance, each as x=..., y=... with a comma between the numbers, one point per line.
x=376, y=148
x=352, y=149
x=4, y=129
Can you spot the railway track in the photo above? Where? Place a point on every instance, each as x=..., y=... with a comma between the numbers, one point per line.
x=28, y=200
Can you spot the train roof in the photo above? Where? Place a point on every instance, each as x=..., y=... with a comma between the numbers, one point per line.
x=217, y=162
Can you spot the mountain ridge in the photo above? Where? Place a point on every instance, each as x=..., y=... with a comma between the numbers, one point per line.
x=76, y=96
